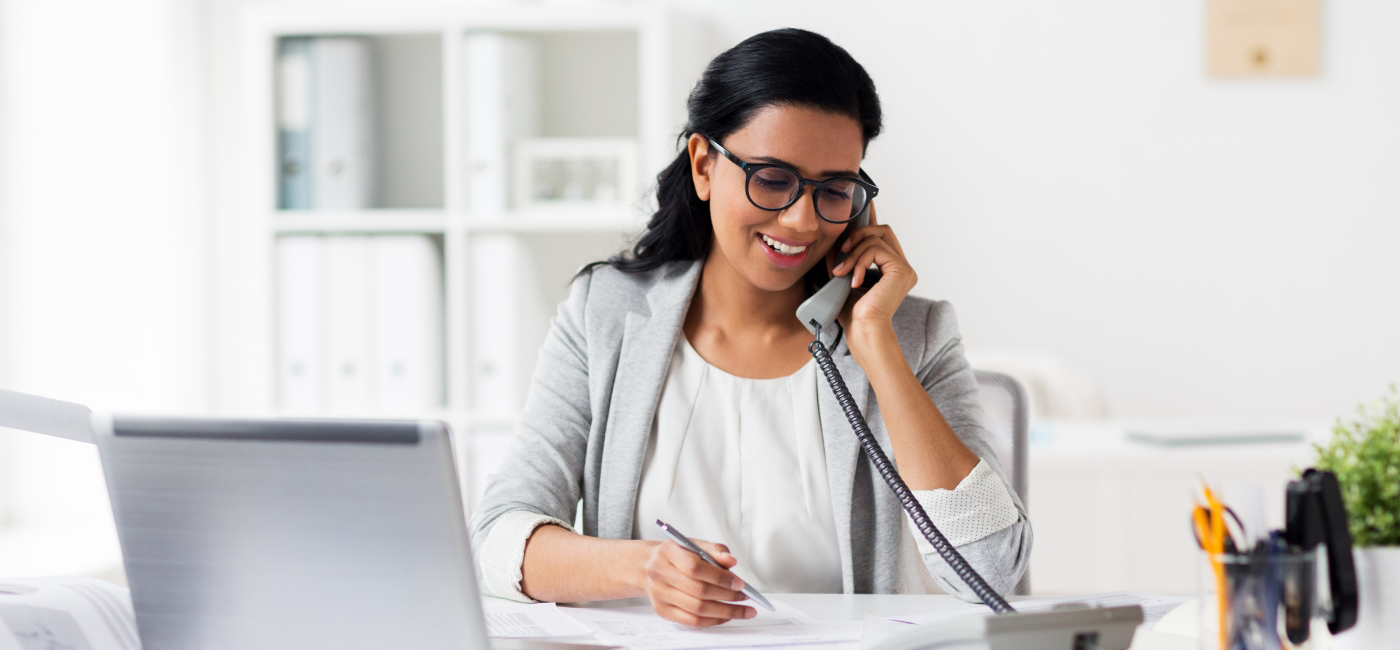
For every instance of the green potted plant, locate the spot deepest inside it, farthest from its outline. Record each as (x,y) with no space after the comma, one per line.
(1365,455)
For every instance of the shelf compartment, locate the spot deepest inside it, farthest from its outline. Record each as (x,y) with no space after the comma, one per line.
(360,121)
(599,220)
(316,222)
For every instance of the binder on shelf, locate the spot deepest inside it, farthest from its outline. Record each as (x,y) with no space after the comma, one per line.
(507,324)
(325,123)
(501,105)
(406,297)
(360,324)
(347,314)
(294,123)
(299,366)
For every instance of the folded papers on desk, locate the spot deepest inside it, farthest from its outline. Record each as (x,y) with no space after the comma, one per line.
(526,620)
(642,627)
(74,613)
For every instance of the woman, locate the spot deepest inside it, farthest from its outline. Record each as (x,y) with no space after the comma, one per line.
(676,384)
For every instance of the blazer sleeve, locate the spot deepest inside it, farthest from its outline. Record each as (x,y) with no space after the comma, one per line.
(1003,556)
(543,472)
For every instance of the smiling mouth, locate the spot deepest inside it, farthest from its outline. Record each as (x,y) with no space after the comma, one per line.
(781,247)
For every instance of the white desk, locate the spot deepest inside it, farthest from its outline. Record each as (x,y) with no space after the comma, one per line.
(854,607)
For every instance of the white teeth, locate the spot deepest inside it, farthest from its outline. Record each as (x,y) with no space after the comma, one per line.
(781,247)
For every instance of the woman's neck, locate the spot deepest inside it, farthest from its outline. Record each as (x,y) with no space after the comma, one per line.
(727,300)
(742,329)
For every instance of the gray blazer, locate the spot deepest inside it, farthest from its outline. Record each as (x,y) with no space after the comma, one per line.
(584,430)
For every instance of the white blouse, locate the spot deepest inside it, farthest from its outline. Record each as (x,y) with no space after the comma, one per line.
(742,462)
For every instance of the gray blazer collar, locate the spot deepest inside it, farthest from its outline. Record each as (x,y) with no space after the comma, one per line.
(643,360)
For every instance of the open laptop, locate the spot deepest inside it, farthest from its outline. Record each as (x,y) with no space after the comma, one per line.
(271,534)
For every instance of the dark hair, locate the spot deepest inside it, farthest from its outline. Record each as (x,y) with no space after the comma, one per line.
(791,67)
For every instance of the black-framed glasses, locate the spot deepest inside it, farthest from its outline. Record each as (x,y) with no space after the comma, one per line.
(775,186)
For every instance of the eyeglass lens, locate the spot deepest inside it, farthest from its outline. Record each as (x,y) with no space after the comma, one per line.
(774,188)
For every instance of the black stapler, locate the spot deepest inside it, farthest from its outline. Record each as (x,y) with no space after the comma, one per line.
(1316,516)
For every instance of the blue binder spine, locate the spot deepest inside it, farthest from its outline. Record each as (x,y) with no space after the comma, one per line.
(294,110)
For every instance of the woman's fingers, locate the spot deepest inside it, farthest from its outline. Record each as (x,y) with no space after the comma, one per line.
(694,587)
(871,250)
(866,232)
(719,552)
(685,618)
(703,608)
(673,613)
(695,568)
(685,588)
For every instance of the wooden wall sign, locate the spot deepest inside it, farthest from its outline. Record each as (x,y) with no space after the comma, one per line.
(1246,38)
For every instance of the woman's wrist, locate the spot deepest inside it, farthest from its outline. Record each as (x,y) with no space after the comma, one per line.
(873,344)
(640,552)
(564,566)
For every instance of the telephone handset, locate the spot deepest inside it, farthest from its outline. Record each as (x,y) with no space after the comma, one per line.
(821,309)
(1107,628)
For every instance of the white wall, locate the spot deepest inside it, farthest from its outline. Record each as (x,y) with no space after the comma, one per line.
(102,242)
(104,170)
(1067,175)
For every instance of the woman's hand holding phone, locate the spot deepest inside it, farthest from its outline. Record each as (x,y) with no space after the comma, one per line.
(686,589)
(870,312)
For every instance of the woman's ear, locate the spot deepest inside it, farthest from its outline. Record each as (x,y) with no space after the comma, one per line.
(700,166)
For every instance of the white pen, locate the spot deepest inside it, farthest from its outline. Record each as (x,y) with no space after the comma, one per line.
(685,543)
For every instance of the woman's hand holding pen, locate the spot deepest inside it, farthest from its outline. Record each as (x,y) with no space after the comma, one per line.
(686,589)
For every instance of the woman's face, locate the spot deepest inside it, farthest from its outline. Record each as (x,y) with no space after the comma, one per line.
(819,145)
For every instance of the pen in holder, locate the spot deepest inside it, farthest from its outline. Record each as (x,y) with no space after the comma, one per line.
(1267,599)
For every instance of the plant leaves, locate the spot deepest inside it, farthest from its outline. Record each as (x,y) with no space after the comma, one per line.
(1364,453)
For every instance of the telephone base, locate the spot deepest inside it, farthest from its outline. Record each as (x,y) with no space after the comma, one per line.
(1087,628)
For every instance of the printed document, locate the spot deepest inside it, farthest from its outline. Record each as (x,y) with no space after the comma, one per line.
(642,627)
(69,613)
(523,620)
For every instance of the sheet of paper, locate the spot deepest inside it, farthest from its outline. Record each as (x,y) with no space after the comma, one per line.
(1154,607)
(72,613)
(524,620)
(637,627)
(875,629)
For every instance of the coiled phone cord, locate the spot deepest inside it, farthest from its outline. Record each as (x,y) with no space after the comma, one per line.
(911,505)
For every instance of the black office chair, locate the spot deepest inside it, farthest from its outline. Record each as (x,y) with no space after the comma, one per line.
(1006,415)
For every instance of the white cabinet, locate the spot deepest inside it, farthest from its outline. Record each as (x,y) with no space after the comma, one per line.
(448,268)
(1112,514)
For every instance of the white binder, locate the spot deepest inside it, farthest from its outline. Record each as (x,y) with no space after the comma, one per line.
(507,324)
(342,121)
(502,105)
(406,333)
(346,326)
(300,364)
(360,325)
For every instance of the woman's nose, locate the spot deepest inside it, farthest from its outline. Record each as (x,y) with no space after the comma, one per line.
(802,215)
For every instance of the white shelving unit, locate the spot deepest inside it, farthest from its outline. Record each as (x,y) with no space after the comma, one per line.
(606,70)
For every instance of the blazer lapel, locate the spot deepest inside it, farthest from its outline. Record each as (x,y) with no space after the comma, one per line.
(842,455)
(643,360)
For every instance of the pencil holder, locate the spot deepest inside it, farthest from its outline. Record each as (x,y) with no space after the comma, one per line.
(1261,601)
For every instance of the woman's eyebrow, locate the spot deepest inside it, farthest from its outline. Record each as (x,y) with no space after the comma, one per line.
(825,174)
